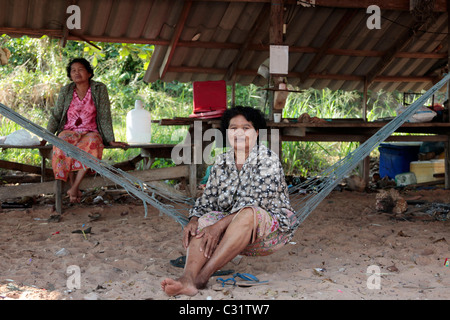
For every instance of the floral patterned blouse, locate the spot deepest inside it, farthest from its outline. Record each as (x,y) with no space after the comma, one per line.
(260,182)
(82,114)
(58,115)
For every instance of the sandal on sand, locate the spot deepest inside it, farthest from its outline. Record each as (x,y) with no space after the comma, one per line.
(247,280)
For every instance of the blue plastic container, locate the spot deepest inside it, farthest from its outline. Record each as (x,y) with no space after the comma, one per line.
(395,158)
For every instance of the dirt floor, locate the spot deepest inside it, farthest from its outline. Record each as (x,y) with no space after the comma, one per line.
(346,249)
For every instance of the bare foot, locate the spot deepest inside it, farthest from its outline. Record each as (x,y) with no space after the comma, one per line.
(74,195)
(175,287)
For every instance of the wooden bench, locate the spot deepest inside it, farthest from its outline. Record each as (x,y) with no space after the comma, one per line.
(148,154)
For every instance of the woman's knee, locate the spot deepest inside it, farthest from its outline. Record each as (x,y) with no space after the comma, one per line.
(71,137)
(246,216)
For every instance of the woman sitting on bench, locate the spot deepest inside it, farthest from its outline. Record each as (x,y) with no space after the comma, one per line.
(81,117)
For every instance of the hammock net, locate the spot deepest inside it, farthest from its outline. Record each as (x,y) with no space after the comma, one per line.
(172,204)
(318,188)
(314,190)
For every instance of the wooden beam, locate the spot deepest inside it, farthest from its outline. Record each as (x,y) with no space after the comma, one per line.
(405,79)
(175,38)
(295,49)
(202,70)
(23,167)
(75,36)
(152,175)
(90,42)
(327,137)
(216,45)
(31,32)
(344,77)
(341,77)
(243,47)
(334,35)
(399,5)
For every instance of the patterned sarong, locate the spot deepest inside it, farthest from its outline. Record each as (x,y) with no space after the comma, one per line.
(91,142)
(266,237)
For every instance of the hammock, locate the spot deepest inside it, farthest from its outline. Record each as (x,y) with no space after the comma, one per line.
(316,189)
(130,183)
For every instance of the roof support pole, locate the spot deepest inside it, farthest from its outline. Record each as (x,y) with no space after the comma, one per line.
(364,115)
(276,31)
(276,38)
(365,165)
(447,143)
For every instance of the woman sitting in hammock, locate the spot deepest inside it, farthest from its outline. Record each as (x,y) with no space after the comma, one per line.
(244,209)
(82,117)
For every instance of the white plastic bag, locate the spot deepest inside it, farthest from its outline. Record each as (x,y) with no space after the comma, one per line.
(423,114)
(21,138)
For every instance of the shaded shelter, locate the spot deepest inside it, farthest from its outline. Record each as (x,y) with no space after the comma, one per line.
(331,43)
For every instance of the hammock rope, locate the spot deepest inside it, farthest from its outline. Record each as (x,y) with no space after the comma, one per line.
(316,189)
(131,184)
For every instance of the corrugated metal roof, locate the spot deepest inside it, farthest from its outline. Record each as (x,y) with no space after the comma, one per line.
(329,46)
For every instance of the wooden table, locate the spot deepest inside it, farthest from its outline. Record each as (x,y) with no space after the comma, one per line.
(360,131)
(336,130)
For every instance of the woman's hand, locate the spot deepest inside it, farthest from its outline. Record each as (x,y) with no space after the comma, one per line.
(118,144)
(210,238)
(190,231)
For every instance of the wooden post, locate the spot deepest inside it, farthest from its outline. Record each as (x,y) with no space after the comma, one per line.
(276,22)
(193,172)
(276,32)
(58,195)
(276,38)
(365,100)
(447,143)
(366,161)
(45,154)
(193,180)
(233,92)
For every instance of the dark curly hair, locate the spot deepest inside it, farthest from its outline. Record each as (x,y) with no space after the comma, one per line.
(84,62)
(252,115)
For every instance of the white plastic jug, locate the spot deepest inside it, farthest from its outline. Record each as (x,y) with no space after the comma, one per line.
(138,124)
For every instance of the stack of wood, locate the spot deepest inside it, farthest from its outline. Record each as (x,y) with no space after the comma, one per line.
(390,201)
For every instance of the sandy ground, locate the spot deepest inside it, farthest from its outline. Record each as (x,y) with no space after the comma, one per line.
(345,249)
